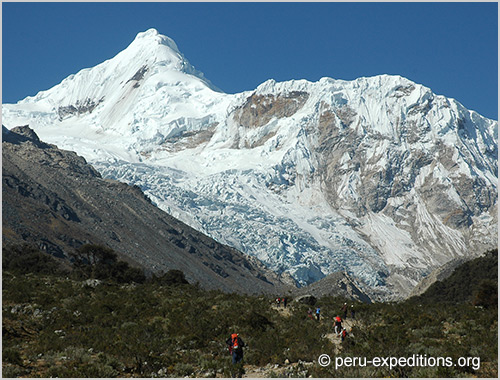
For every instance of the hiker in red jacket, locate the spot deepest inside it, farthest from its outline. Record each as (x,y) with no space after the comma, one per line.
(338,325)
(343,334)
(236,344)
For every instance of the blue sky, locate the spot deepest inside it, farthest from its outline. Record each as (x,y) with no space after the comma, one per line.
(451,48)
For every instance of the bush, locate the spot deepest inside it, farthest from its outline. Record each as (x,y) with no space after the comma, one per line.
(487,294)
(172,277)
(12,355)
(257,321)
(29,259)
(99,262)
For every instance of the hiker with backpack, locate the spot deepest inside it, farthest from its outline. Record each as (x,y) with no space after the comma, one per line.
(235,345)
(343,335)
(338,325)
(310,313)
(344,310)
(318,311)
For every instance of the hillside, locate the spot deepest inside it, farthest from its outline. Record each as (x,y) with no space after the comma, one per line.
(437,274)
(53,199)
(57,326)
(475,281)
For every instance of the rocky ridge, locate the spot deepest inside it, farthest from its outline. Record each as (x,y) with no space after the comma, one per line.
(335,285)
(438,274)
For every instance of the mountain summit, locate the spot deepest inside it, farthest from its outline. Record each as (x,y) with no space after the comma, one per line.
(153,49)
(378,178)
(150,74)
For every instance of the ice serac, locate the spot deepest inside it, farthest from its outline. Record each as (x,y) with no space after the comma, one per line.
(378,178)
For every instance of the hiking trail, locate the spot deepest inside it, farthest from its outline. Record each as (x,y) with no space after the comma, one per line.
(348,324)
(285,311)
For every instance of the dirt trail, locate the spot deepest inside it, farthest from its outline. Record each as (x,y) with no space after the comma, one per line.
(286,311)
(285,369)
(274,370)
(348,324)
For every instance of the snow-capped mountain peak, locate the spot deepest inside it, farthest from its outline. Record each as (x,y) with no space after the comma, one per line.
(151,36)
(377,177)
(151,48)
(147,92)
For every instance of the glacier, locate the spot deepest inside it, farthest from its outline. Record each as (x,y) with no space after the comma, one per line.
(378,177)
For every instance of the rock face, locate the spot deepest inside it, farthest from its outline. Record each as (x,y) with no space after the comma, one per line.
(258,110)
(54,199)
(335,284)
(378,177)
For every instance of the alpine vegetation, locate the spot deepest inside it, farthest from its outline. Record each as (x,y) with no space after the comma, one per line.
(79,322)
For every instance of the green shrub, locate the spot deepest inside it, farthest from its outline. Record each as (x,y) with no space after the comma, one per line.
(29,259)
(256,321)
(12,355)
(487,294)
(12,371)
(100,262)
(172,277)
(182,369)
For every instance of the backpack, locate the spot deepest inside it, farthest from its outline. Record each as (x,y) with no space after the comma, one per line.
(236,343)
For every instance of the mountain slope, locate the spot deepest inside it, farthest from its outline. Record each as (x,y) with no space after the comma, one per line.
(54,199)
(475,281)
(377,177)
(439,274)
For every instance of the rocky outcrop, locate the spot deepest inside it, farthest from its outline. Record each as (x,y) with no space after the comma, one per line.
(335,285)
(52,198)
(306,299)
(79,108)
(258,110)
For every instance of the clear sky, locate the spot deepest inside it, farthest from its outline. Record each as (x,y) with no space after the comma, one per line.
(451,48)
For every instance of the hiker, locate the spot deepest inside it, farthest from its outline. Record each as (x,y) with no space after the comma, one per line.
(318,310)
(338,325)
(285,300)
(343,335)
(344,310)
(278,300)
(235,345)
(310,313)
(353,312)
